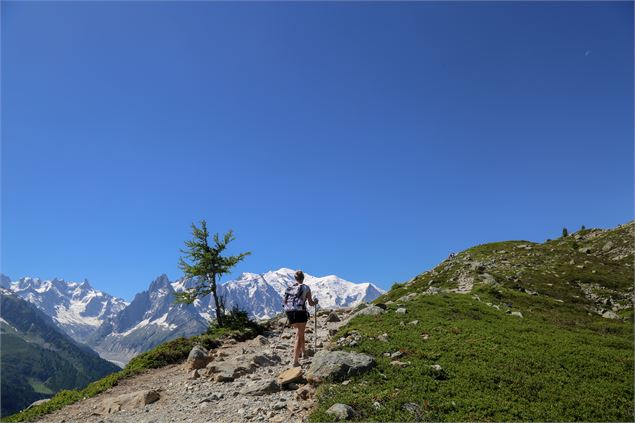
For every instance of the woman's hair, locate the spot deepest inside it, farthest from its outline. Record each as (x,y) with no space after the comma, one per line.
(299,276)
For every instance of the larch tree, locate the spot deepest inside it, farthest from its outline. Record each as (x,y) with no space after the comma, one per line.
(207,264)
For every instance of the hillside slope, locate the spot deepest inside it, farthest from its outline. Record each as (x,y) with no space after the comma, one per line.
(521,331)
(38,359)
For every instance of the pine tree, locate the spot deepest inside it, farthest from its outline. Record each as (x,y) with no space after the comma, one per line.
(208,265)
(565,232)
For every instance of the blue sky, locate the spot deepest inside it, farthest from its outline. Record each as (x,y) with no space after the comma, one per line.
(367,140)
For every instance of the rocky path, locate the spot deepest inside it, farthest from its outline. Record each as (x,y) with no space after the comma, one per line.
(240,384)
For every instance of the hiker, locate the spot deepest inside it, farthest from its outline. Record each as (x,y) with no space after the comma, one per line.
(295,298)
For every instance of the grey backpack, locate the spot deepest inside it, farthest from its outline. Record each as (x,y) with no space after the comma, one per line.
(295,298)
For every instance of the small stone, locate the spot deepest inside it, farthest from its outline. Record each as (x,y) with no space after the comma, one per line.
(377,405)
(341,411)
(425,336)
(400,310)
(383,337)
(411,407)
(438,372)
(414,322)
(398,363)
(517,314)
(346,382)
(332,317)
(279,405)
(396,354)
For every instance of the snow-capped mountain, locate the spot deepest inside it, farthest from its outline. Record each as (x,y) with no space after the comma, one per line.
(118,331)
(76,307)
(153,318)
(150,319)
(261,294)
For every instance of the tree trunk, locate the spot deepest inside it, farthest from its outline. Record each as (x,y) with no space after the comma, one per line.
(219,311)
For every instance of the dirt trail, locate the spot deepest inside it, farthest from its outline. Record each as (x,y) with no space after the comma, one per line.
(202,400)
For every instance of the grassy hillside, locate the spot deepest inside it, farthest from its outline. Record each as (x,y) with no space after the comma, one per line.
(560,361)
(38,359)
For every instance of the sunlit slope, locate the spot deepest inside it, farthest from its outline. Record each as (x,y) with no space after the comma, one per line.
(561,361)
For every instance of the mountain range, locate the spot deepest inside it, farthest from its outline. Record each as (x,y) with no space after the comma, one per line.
(38,359)
(118,330)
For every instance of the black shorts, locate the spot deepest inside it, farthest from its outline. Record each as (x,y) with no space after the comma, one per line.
(297,316)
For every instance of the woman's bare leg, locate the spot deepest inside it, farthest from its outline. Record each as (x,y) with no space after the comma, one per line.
(299,342)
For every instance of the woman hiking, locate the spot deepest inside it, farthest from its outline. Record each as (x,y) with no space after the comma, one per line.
(295,298)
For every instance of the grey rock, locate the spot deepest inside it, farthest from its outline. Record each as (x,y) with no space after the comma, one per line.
(383,337)
(338,365)
(608,246)
(407,298)
(332,317)
(261,387)
(341,411)
(400,310)
(212,397)
(610,315)
(411,407)
(517,314)
(585,250)
(129,401)
(372,310)
(414,323)
(197,358)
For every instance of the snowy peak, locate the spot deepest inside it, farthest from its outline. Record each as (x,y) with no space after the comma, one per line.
(261,294)
(76,307)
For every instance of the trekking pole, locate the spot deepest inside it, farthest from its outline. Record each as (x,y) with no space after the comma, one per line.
(315,327)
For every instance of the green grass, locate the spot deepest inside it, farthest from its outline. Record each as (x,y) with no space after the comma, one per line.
(171,352)
(499,367)
(560,362)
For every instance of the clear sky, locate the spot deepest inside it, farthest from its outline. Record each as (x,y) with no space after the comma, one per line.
(367,140)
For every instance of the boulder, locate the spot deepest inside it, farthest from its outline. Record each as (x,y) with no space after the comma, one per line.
(608,246)
(338,365)
(341,411)
(293,374)
(610,315)
(372,310)
(260,340)
(225,371)
(333,317)
(264,360)
(261,387)
(407,298)
(197,359)
(129,401)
